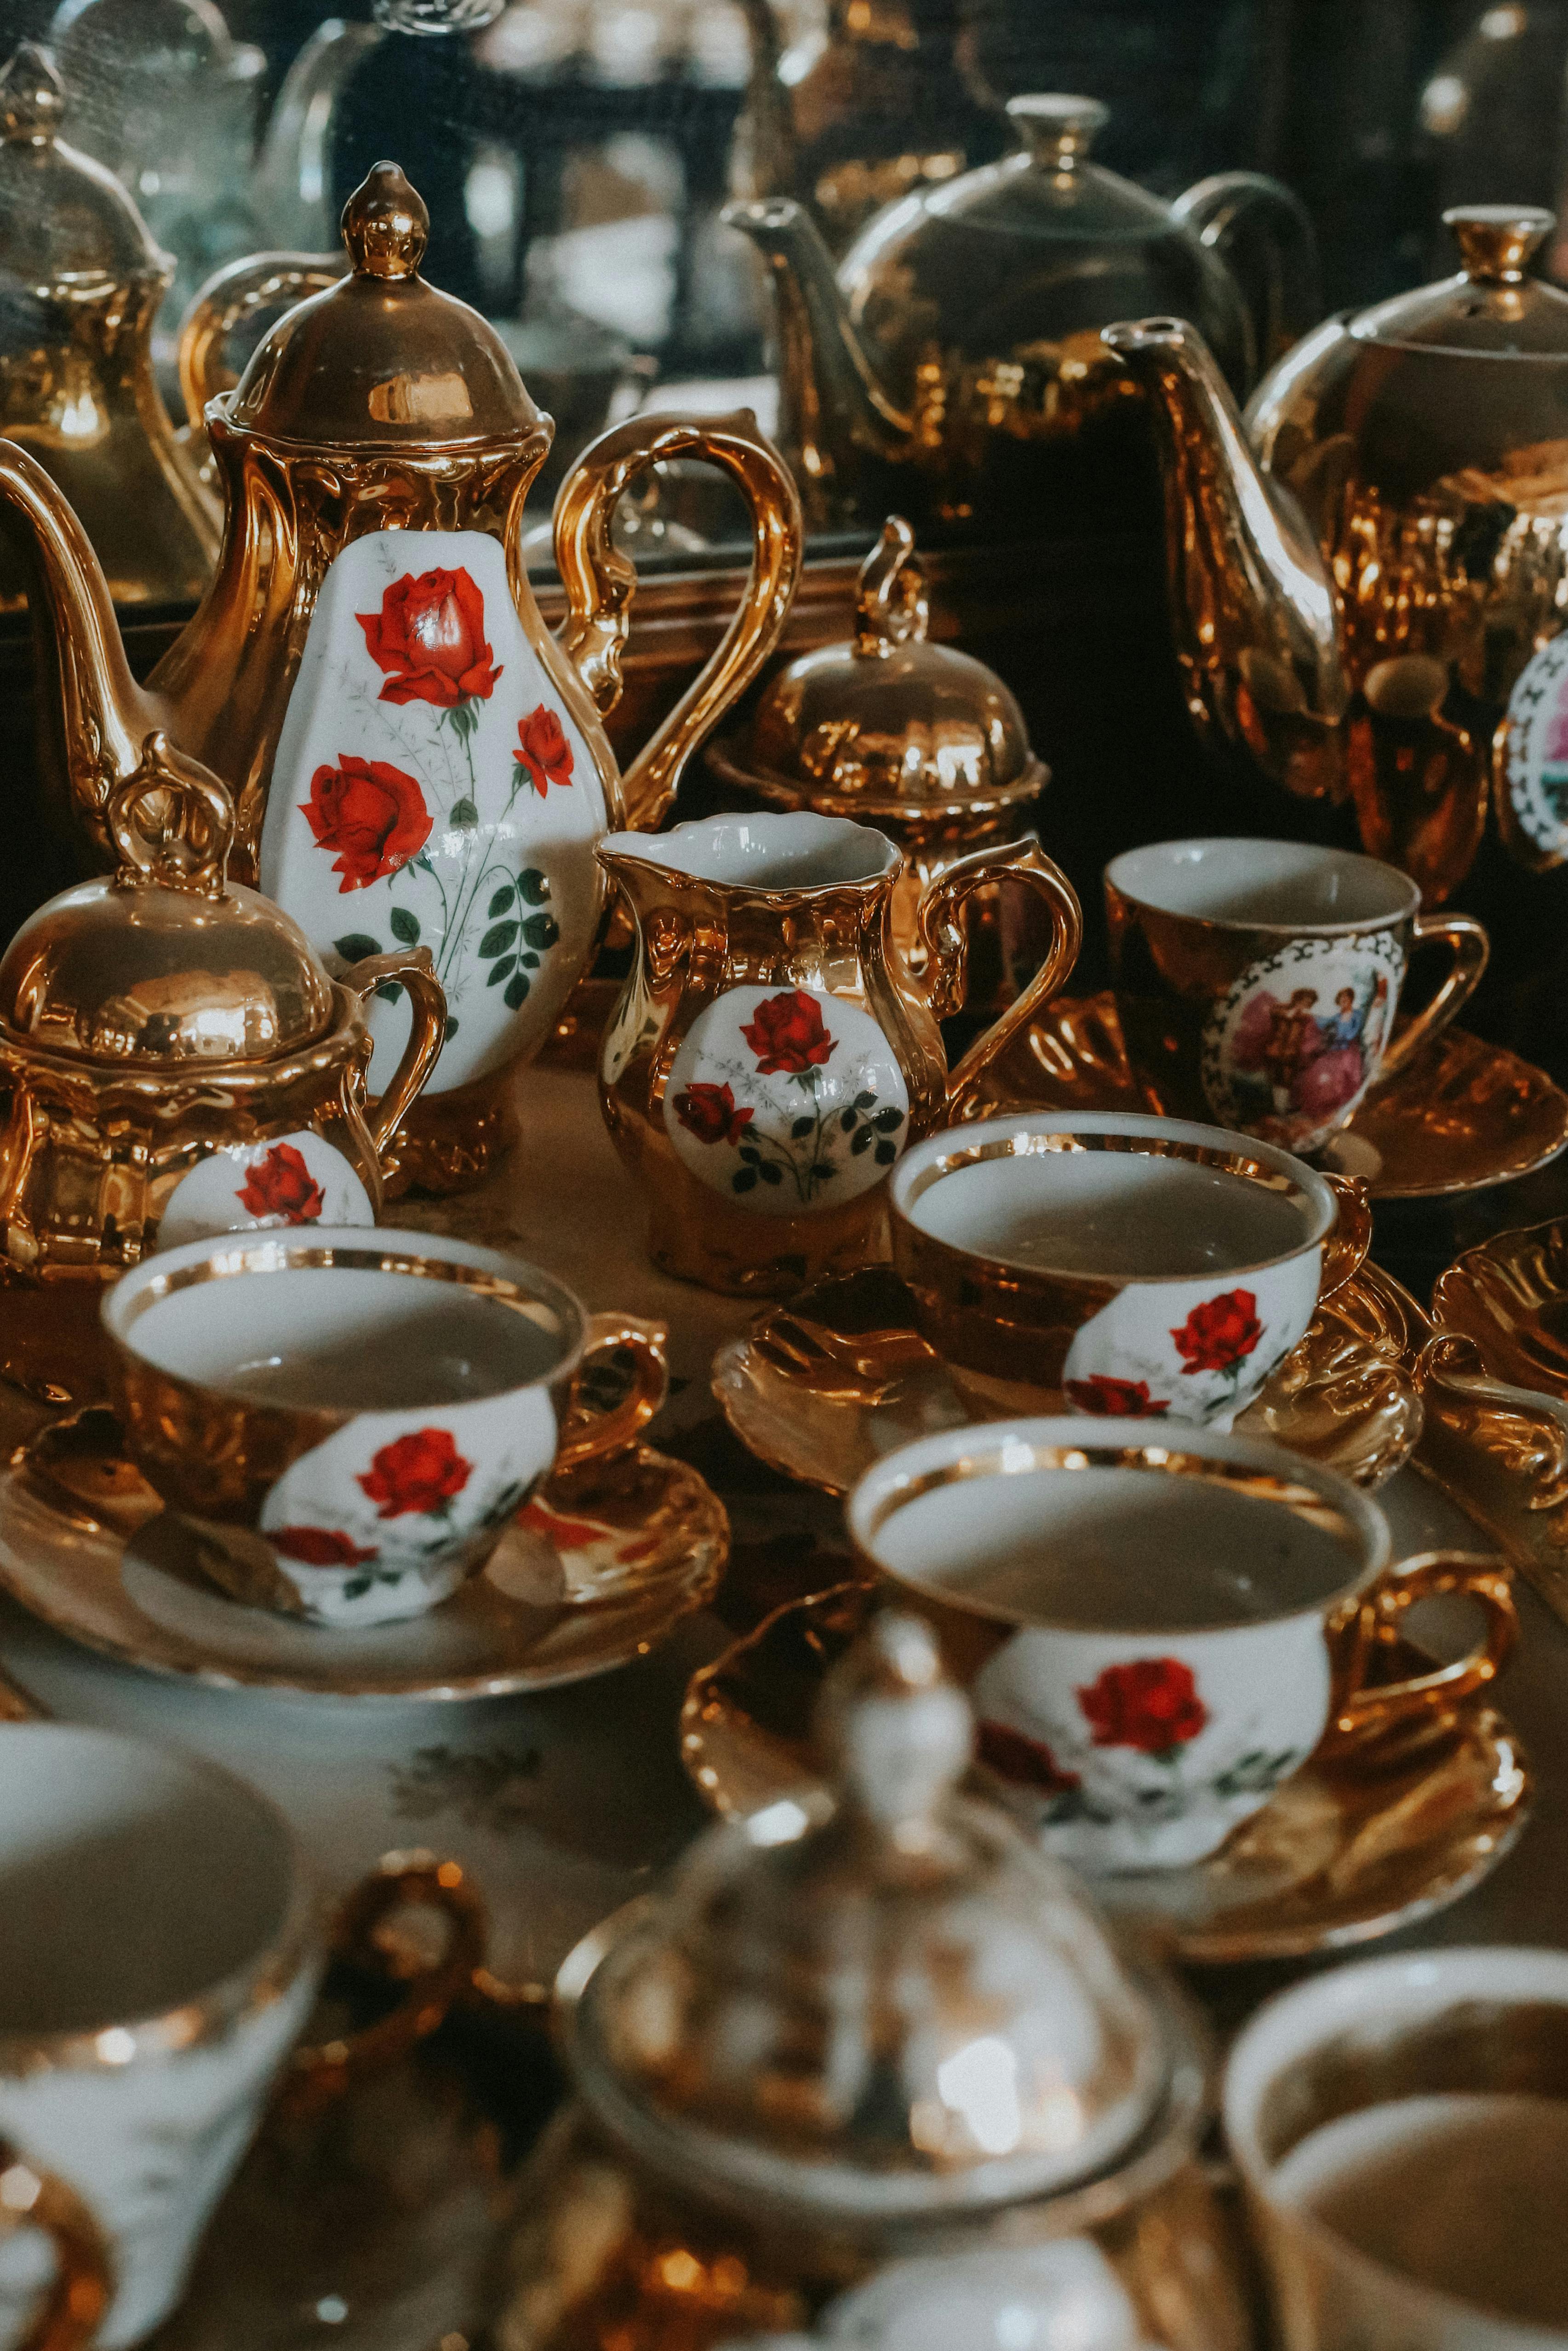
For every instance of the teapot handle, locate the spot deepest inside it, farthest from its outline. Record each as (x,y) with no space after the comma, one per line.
(31,2198)
(1264,234)
(414,968)
(261,281)
(196,860)
(600,582)
(946,944)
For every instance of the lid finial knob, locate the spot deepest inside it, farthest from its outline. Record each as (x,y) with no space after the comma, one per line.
(1059,130)
(385,225)
(895,1732)
(1496,241)
(32,96)
(891,605)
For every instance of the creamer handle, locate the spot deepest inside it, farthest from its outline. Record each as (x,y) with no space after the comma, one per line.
(946,941)
(79,2296)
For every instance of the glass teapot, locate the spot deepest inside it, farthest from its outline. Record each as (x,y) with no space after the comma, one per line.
(413,758)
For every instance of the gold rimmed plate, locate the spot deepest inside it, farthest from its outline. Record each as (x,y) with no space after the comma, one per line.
(1462,1115)
(596,1570)
(1339,1855)
(822,1387)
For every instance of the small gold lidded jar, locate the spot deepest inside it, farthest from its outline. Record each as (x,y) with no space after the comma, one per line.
(178,1061)
(918,739)
(874,2070)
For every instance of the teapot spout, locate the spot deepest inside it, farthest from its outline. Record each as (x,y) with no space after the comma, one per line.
(1252,604)
(93,717)
(836,415)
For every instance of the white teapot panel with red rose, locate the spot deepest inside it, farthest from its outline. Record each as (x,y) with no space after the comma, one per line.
(430,788)
(785,1100)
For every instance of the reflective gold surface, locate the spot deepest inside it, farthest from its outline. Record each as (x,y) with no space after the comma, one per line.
(821,1388)
(1461,1115)
(1360,634)
(78,2293)
(1342,1853)
(81,279)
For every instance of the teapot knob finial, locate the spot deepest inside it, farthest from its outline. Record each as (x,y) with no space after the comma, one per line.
(896,1732)
(385,225)
(1059,130)
(1496,241)
(32,96)
(891,605)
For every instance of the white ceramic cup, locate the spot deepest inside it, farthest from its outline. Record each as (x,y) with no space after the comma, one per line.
(1154,1634)
(1384,2077)
(158,1956)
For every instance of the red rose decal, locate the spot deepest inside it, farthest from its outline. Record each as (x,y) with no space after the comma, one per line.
(1027,1763)
(320,1547)
(1218,1333)
(420,1472)
(543,750)
(1116,1399)
(786,1032)
(709,1113)
(373,815)
(429,637)
(1152,1705)
(282,1185)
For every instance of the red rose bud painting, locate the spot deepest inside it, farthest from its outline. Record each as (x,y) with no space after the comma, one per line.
(544,754)
(370,814)
(421,1471)
(429,638)
(1152,1705)
(281,1184)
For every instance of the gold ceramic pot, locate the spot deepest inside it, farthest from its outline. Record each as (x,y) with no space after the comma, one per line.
(177,1061)
(413,758)
(81,279)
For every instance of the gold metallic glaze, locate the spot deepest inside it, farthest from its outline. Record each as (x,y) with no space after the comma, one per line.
(1345,1851)
(697,938)
(78,2293)
(228,300)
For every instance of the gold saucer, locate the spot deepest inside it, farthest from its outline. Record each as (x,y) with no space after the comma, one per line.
(1339,1855)
(598,1569)
(1461,1115)
(822,1387)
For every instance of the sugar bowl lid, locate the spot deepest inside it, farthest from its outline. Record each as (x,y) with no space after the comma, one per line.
(380,359)
(905,2010)
(163,964)
(65,222)
(886,726)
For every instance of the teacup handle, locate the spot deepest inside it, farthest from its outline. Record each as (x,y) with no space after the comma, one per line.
(1360,1710)
(31,2199)
(1472,947)
(1345,1252)
(414,968)
(320,2072)
(945,940)
(587,1433)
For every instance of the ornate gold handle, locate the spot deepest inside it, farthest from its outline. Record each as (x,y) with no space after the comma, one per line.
(1345,1252)
(195,859)
(414,968)
(1362,1710)
(322,2071)
(1471,949)
(600,582)
(588,1432)
(261,281)
(946,944)
(76,2299)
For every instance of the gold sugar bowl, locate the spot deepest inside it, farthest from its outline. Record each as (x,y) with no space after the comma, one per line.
(916,738)
(872,2070)
(177,1061)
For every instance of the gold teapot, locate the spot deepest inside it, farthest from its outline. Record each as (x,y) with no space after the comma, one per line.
(1368,573)
(413,758)
(176,1062)
(874,2073)
(81,280)
(952,366)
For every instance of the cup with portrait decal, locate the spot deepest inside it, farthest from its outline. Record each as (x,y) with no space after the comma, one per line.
(1257,982)
(348,1420)
(1155,1634)
(1119,1266)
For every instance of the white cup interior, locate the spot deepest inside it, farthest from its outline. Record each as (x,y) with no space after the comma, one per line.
(1264,884)
(770,852)
(132,1879)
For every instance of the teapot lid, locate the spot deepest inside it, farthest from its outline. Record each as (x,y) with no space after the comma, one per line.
(65,221)
(381,360)
(905,2010)
(1048,188)
(886,726)
(1491,306)
(163,964)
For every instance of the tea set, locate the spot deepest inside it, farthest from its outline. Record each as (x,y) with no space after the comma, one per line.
(1080,1320)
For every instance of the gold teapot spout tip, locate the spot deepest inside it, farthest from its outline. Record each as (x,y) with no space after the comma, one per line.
(385,225)
(32,96)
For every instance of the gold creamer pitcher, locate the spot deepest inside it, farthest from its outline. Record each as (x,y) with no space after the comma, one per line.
(414,758)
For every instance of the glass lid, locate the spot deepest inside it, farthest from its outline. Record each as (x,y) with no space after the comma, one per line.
(906,2009)
(65,222)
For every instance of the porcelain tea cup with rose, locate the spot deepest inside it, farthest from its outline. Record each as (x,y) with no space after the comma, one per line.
(1155,1634)
(1115,1265)
(348,1420)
